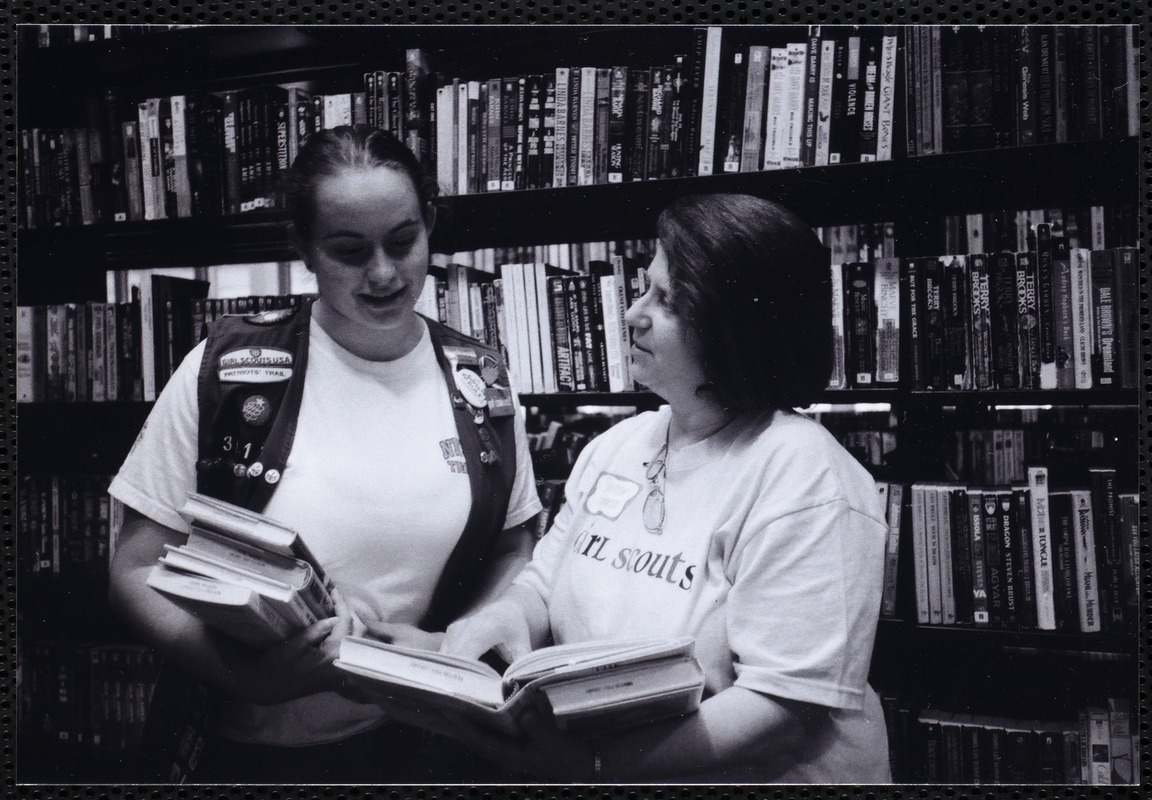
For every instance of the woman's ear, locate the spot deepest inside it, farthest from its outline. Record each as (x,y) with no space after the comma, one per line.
(298,243)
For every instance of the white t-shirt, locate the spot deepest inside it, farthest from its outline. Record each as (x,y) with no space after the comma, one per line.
(771,555)
(375,483)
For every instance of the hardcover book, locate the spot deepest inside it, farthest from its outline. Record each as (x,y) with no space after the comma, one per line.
(587,686)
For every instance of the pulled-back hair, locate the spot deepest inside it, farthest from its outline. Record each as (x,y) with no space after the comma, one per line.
(754,282)
(355,147)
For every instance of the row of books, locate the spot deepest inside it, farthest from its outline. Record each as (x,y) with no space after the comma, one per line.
(994,456)
(1094,227)
(64,526)
(83,700)
(1100,746)
(82,352)
(974,87)
(1051,317)
(831,97)
(1025,556)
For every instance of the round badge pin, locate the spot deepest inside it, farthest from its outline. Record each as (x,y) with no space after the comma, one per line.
(256,410)
(256,469)
(239,470)
(272,476)
(472,387)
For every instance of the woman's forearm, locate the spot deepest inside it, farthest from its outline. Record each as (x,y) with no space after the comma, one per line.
(735,727)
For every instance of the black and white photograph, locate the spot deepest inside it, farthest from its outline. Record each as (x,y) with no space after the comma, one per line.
(780,390)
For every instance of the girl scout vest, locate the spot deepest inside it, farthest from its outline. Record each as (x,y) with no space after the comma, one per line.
(250,387)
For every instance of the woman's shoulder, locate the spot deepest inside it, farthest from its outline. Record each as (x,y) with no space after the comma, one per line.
(800,458)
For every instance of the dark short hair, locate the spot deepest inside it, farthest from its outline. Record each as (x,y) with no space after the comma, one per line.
(356,147)
(754,281)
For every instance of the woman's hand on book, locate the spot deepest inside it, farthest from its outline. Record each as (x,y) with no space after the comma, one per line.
(302,664)
(500,625)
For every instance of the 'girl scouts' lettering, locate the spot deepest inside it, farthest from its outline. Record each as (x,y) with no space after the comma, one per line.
(660,566)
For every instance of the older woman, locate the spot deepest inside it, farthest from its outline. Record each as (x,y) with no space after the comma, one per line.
(724,515)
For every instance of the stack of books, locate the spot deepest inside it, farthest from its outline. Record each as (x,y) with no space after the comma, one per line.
(243,574)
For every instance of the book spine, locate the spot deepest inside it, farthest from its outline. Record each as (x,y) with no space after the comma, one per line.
(886,99)
(793,113)
(894,517)
(1104,345)
(585,172)
(1109,547)
(994,560)
(887,320)
(961,552)
(1082,323)
(548,131)
(933,331)
(811,97)
(1127,310)
(639,105)
(859,324)
(576,326)
(869,100)
(838,378)
(704,146)
(618,148)
(975,529)
(980,321)
(920,553)
(601,116)
(1027,313)
(752,144)
(932,531)
(730,131)
(945,534)
(575,104)
(1024,556)
(532,123)
(1005,352)
(955,305)
(775,108)
(561,132)
(561,334)
(1088,592)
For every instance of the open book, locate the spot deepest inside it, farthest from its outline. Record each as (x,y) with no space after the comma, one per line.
(243,573)
(587,686)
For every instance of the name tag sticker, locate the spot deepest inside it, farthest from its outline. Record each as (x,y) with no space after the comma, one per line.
(610,495)
(255,365)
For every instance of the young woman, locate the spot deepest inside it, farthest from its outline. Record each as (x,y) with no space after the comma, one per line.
(725,516)
(390,443)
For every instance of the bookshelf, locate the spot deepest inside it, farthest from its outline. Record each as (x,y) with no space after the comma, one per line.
(957,668)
